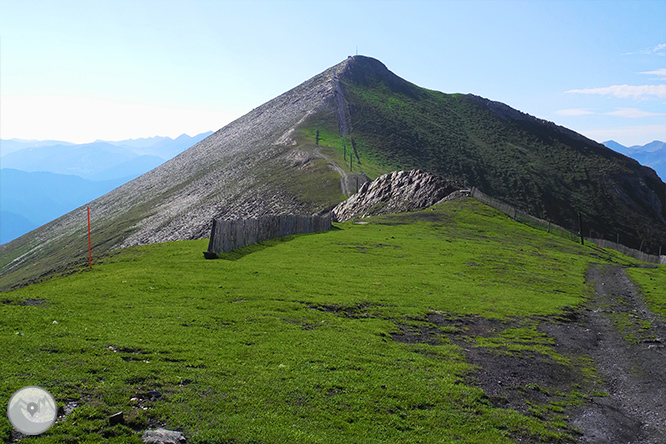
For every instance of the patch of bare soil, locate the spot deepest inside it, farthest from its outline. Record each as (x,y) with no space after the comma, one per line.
(524,381)
(623,400)
(629,357)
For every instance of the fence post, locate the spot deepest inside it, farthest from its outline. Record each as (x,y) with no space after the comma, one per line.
(211,241)
(580,223)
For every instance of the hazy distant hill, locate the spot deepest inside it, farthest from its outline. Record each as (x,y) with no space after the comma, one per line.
(10,145)
(51,178)
(29,200)
(80,160)
(163,147)
(13,225)
(652,154)
(99,160)
(287,156)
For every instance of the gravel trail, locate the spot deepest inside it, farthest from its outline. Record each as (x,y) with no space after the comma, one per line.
(630,359)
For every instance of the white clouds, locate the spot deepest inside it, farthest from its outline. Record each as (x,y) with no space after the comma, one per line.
(633,113)
(657,72)
(574,112)
(660,49)
(636,92)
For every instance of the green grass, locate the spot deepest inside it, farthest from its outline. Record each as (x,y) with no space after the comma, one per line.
(517,340)
(315,184)
(335,147)
(526,163)
(652,282)
(290,340)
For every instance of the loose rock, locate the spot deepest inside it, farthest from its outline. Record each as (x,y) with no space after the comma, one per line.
(116,418)
(163,436)
(396,192)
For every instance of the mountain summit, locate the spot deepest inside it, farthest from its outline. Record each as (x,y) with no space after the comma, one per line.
(309,148)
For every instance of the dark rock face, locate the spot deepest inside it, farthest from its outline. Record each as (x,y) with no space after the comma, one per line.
(396,192)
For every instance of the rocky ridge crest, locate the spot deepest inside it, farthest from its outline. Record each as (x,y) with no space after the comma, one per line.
(396,192)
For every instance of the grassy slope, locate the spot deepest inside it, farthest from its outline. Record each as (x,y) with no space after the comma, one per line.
(339,149)
(530,165)
(652,282)
(290,341)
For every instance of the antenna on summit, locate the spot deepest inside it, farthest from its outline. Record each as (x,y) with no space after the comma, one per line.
(356,49)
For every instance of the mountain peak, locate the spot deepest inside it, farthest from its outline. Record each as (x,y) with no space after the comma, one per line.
(367,71)
(304,150)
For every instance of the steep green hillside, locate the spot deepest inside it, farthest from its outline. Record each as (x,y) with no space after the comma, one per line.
(270,162)
(549,171)
(355,335)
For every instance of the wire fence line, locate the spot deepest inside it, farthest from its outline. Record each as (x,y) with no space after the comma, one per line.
(535,222)
(229,235)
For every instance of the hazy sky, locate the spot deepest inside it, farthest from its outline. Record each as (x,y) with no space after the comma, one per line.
(86,70)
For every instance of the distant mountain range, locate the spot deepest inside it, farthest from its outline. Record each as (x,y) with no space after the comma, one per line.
(99,160)
(653,154)
(42,180)
(29,200)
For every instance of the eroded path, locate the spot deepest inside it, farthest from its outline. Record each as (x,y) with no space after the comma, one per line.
(625,340)
(608,384)
(349,182)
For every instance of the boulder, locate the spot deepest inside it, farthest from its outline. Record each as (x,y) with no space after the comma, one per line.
(162,436)
(396,192)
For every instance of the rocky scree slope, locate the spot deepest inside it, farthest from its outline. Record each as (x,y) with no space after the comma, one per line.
(396,192)
(225,176)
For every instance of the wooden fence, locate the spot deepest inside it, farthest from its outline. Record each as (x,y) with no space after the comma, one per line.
(550,227)
(229,235)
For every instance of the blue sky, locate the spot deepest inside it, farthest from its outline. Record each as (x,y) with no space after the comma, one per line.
(86,70)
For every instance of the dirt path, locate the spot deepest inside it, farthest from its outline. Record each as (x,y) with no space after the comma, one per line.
(344,186)
(622,401)
(347,185)
(625,341)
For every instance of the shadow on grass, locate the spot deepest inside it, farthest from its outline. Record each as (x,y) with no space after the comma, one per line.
(249,249)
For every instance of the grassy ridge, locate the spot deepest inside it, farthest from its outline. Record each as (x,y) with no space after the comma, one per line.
(292,340)
(531,164)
